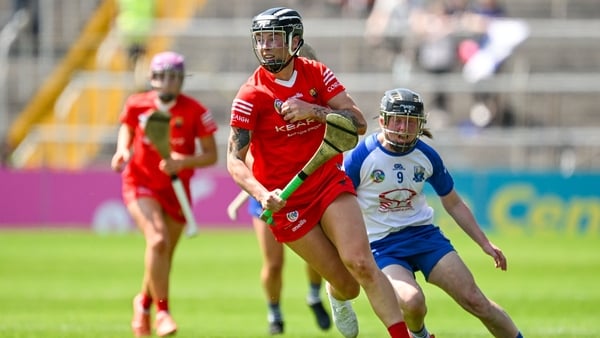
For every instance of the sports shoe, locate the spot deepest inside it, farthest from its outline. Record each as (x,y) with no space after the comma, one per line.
(321,315)
(344,317)
(276,327)
(165,325)
(140,324)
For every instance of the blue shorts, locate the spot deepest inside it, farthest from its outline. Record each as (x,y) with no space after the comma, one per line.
(254,207)
(415,248)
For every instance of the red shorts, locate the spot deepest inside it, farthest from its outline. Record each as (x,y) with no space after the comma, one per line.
(165,197)
(294,221)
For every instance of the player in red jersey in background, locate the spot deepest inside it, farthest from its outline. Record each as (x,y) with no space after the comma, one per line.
(278,115)
(147,189)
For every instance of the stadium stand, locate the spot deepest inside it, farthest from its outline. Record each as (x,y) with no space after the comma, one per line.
(551,82)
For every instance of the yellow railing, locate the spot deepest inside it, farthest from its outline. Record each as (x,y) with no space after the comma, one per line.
(61,106)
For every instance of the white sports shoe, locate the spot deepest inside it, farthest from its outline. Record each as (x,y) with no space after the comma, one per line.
(344,317)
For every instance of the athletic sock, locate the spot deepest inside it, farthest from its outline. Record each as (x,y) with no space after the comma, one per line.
(421,333)
(146,301)
(314,294)
(275,314)
(519,335)
(162,305)
(398,330)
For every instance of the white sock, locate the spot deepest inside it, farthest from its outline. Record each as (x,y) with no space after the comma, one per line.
(313,296)
(274,314)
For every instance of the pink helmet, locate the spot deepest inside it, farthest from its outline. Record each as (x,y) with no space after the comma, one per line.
(167,61)
(165,68)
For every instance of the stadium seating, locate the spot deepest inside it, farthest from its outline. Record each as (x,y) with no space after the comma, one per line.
(551,78)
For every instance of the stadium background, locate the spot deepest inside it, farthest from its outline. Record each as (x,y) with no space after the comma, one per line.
(64,87)
(534,186)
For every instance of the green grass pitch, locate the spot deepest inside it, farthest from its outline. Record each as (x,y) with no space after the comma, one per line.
(70,284)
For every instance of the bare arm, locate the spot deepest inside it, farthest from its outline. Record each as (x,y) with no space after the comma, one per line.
(294,110)
(237,153)
(208,156)
(123,151)
(463,216)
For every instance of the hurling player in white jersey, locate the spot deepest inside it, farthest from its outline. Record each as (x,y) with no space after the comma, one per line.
(389,170)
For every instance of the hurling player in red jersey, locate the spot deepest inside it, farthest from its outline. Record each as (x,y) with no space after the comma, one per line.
(147,189)
(271,273)
(278,115)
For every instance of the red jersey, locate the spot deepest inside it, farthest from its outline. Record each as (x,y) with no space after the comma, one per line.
(189,120)
(281,148)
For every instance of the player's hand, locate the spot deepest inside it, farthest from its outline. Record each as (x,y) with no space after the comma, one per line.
(496,253)
(119,159)
(170,166)
(272,201)
(294,110)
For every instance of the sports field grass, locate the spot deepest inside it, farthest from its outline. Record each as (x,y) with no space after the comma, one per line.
(68,284)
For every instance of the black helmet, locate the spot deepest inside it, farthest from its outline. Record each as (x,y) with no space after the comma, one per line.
(402,106)
(278,20)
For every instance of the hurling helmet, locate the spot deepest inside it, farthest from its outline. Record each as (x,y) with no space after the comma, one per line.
(166,67)
(402,117)
(277,20)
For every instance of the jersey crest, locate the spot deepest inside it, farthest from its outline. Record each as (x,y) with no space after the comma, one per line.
(419,174)
(377,176)
(277,105)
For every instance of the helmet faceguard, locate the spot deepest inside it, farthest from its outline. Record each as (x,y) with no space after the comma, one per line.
(273,33)
(166,75)
(402,118)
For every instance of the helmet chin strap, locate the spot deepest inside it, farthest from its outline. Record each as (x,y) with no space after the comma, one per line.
(300,44)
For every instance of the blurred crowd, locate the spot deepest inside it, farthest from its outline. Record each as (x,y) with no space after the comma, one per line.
(432,37)
(473,37)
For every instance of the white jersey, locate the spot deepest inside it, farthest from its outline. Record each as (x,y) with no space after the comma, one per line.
(390,185)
